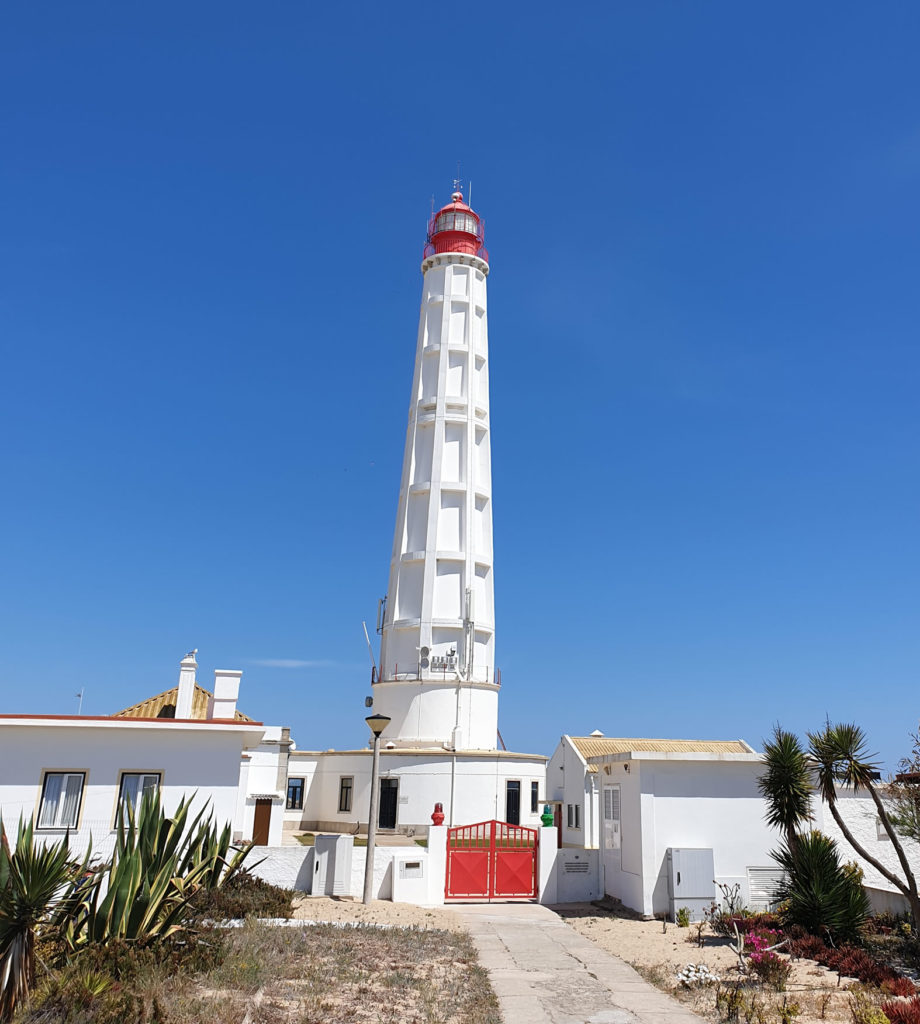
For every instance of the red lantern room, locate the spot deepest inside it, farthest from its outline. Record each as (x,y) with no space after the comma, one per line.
(456,228)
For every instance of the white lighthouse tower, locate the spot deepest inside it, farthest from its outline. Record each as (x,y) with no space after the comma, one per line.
(437,680)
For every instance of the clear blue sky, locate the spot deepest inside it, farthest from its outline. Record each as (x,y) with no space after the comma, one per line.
(704,307)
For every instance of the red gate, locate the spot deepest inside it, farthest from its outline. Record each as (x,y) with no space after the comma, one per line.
(491,860)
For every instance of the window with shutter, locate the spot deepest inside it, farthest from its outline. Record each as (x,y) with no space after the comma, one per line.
(612,817)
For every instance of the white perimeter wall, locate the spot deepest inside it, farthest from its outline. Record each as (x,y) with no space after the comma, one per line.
(859,813)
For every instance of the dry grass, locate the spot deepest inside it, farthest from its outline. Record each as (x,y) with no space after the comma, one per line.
(311,975)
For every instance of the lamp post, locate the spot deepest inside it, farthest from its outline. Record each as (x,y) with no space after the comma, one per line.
(376,723)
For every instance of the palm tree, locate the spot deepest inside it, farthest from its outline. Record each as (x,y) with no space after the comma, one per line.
(839,756)
(786,784)
(37,884)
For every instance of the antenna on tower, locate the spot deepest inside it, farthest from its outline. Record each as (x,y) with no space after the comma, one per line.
(457,181)
(370,650)
(469,193)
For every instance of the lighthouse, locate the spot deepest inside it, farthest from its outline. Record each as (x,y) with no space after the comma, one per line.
(437,680)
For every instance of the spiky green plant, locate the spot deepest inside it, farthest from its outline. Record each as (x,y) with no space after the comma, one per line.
(786,783)
(158,865)
(38,886)
(818,892)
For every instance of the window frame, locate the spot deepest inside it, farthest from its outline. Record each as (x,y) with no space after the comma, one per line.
(124,774)
(288,805)
(346,794)
(534,797)
(42,786)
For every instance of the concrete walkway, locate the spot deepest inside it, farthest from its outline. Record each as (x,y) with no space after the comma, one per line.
(544,972)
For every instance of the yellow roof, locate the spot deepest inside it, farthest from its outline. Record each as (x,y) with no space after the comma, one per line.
(153,706)
(597,746)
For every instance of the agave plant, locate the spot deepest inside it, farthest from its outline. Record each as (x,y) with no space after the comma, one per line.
(38,888)
(158,865)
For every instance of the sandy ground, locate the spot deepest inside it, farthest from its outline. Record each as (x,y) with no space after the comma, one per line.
(402,915)
(658,955)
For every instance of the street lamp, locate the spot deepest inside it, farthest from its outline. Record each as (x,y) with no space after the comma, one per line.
(376,723)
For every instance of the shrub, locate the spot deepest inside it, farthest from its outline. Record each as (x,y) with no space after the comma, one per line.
(683,917)
(852,962)
(902,1011)
(243,895)
(863,1010)
(770,968)
(821,894)
(898,987)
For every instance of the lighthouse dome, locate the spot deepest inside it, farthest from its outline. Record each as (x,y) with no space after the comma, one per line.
(456,227)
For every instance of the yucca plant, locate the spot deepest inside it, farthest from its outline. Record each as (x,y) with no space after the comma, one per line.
(818,892)
(786,784)
(39,886)
(158,865)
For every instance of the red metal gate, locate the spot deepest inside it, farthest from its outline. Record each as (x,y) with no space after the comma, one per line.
(491,860)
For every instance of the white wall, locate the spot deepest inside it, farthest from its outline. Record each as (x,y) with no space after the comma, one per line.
(860,815)
(190,757)
(476,792)
(265,776)
(697,802)
(569,781)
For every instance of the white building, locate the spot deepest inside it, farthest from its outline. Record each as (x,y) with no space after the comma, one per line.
(636,799)
(73,774)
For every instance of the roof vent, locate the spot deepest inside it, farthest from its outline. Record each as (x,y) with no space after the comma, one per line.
(596,732)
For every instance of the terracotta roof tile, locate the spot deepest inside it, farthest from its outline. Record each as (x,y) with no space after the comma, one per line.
(152,707)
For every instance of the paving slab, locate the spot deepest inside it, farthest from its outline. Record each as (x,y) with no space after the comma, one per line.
(544,972)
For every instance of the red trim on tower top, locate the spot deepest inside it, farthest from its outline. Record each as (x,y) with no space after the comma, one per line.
(456,227)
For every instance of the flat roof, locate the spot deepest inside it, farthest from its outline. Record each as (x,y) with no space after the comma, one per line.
(112,721)
(421,751)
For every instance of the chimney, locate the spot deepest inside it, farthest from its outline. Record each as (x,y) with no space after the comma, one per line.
(226,693)
(186,692)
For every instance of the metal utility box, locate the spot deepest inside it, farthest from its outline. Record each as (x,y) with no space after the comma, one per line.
(691,884)
(332,865)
